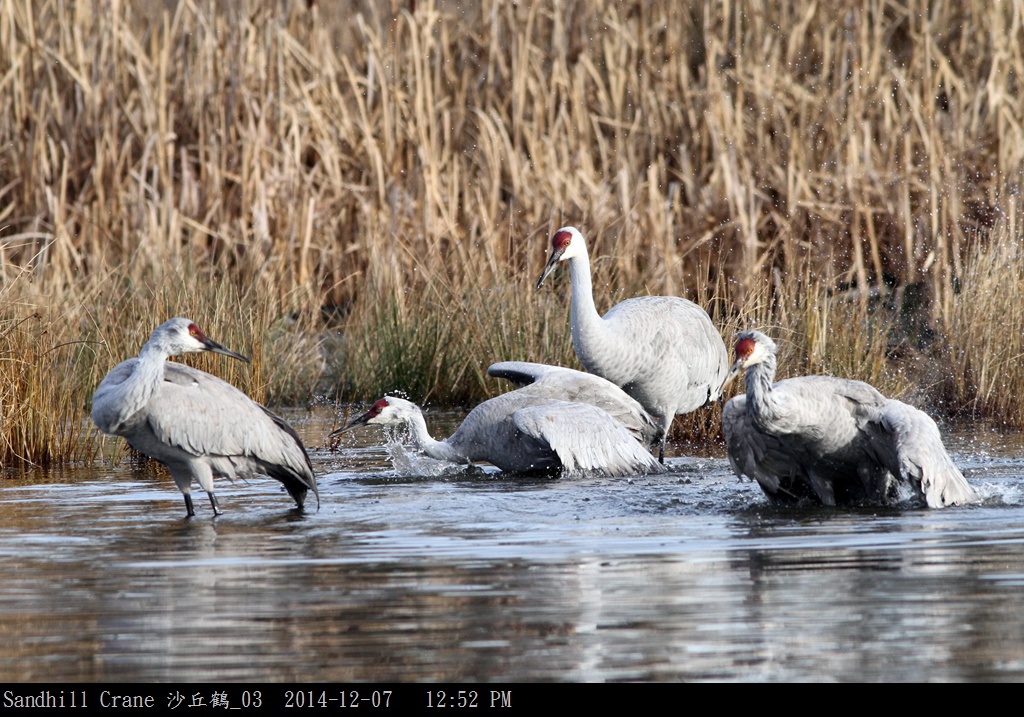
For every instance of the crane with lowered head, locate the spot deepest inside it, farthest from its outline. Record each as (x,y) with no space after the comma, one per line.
(832,440)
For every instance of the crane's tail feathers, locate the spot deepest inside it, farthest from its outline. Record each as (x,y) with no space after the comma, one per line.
(297,486)
(941,483)
(521,373)
(296,470)
(923,460)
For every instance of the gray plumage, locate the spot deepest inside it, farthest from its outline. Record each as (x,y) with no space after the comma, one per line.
(565,384)
(661,350)
(560,420)
(196,424)
(832,440)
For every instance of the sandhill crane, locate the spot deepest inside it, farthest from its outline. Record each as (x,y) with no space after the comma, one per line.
(560,420)
(661,350)
(831,439)
(194,423)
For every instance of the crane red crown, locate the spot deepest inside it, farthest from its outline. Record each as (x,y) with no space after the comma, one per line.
(744,347)
(376,408)
(560,241)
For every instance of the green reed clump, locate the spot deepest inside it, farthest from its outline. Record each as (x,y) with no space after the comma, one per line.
(403,347)
(434,342)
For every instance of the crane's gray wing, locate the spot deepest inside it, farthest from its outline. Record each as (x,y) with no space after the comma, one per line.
(586,439)
(767,459)
(889,436)
(205,416)
(565,384)
(907,442)
(922,460)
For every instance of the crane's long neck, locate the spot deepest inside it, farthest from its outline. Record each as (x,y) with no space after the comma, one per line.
(137,390)
(762,403)
(439,450)
(584,320)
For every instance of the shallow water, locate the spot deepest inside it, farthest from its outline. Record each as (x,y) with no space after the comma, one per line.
(442,577)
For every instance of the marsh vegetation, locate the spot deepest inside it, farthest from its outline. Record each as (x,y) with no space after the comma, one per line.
(359,195)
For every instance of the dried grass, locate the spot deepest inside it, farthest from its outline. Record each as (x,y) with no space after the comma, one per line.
(986,332)
(792,164)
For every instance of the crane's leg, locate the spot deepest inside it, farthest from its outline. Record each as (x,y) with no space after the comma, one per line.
(183,479)
(666,423)
(203,475)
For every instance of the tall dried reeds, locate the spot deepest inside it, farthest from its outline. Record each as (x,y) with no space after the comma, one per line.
(40,421)
(54,350)
(986,332)
(778,162)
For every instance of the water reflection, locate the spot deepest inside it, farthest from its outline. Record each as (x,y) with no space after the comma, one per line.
(484,577)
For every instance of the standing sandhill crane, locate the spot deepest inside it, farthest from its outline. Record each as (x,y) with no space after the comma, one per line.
(831,439)
(560,420)
(194,423)
(661,350)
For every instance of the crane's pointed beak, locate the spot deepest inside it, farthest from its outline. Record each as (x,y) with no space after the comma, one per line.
(352,423)
(211,345)
(735,370)
(556,256)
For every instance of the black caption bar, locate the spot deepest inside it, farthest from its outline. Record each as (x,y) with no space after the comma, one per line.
(384,698)
(203,698)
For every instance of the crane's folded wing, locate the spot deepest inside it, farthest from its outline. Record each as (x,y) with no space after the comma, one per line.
(586,439)
(205,416)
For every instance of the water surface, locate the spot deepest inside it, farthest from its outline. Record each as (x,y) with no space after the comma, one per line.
(418,574)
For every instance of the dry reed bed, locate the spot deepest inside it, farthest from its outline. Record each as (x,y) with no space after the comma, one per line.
(407,170)
(52,358)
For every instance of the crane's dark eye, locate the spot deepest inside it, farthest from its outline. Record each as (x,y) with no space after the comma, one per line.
(560,241)
(376,408)
(744,347)
(194,331)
